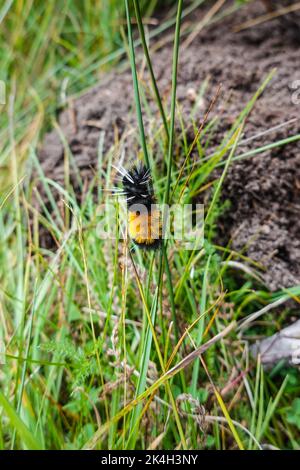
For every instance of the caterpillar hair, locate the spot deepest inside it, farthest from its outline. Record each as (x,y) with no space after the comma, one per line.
(144,218)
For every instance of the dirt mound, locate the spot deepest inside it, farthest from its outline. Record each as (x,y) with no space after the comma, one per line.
(264,190)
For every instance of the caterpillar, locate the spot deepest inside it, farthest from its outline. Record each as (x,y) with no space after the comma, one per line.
(144,217)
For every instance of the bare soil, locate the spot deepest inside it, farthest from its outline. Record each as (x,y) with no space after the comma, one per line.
(264,218)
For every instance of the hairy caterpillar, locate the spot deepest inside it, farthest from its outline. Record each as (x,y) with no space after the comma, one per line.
(144,217)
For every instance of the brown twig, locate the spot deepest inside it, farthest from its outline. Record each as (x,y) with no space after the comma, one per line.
(267,17)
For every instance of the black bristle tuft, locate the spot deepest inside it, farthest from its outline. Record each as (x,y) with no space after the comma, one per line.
(137,185)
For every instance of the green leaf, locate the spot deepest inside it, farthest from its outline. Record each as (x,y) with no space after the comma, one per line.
(293,415)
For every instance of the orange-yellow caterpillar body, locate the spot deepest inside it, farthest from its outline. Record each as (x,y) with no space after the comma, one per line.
(144,227)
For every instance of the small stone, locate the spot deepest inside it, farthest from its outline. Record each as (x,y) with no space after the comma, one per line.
(191,95)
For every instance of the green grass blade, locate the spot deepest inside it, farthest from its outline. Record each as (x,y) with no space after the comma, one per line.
(146,52)
(136,86)
(24,433)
